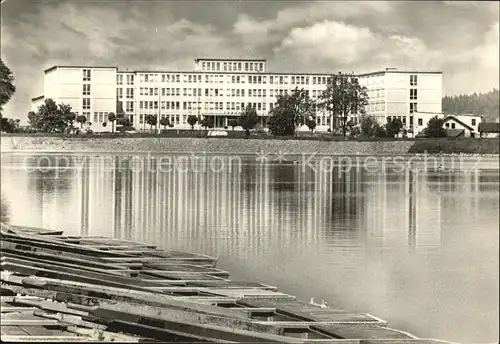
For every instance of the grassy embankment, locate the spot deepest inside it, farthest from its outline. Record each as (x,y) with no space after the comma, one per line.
(456,146)
(184,142)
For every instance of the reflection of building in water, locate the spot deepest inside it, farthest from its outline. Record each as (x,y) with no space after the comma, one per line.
(468,199)
(189,206)
(400,209)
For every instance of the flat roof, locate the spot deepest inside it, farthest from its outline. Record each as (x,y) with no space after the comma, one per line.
(212,72)
(400,72)
(87,67)
(242,72)
(233,59)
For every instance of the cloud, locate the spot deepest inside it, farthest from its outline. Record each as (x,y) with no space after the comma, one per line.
(476,69)
(327,41)
(259,32)
(332,44)
(71,33)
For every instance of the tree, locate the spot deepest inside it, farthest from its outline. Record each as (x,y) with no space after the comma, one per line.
(165,122)
(311,123)
(484,104)
(151,120)
(248,119)
(66,113)
(343,96)
(233,123)
(104,124)
(192,120)
(393,127)
(290,111)
(51,118)
(435,127)
(206,123)
(368,126)
(33,119)
(124,122)
(81,119)
(112,119)
(7,88)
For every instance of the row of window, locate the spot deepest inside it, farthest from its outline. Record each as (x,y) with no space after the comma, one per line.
(209,92)
(130,93)
(119,79)
(221,78)
(174,119)
(176,105)
(100,117)
(375,107)
(376,93)
(232,66)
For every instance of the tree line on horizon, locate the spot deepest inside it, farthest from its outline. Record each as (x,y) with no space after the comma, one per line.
(484,104)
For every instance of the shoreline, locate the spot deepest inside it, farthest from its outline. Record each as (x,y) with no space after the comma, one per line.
(181,146)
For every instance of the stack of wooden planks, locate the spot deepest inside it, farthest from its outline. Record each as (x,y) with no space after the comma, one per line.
(68,288)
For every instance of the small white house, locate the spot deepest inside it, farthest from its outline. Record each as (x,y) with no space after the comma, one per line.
(468,122)
(456,127)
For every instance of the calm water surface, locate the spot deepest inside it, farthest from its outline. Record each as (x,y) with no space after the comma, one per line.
(418,248)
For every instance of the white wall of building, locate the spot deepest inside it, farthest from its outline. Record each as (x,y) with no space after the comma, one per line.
(93,98)
(36,102)
(178,94)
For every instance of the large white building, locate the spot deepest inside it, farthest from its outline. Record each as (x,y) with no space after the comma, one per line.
(221,89)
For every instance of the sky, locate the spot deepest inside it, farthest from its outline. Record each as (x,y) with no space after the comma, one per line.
(461,39)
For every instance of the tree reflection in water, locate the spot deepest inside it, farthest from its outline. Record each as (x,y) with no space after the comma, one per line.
(4,210)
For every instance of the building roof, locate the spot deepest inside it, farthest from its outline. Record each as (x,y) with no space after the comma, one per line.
(489,127)
(397,71)
(228,59)
(454,132)
(220,72)
(447,114)
(37,98)
(89,67)
(452,118)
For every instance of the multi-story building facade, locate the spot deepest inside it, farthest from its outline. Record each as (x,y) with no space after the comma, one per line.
(221,88)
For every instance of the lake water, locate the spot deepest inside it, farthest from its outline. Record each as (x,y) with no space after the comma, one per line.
(417,247)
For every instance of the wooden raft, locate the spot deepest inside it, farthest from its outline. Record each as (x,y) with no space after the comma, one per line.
(91,289)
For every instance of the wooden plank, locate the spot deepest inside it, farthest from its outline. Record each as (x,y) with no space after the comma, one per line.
(57,339)
(17,309)
(228,328)
(46,242)
(166,335)
(23,248)
(156,259)
(36,262)
(77,275)
(32,322)
(250,293)
(57,257)
(357,332)
(52,306)
(182,275)
(129,294)
(40,331)
(11,331)
(70,319)
(306,312)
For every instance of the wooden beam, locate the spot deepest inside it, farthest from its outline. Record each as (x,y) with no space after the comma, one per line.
(21,322)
